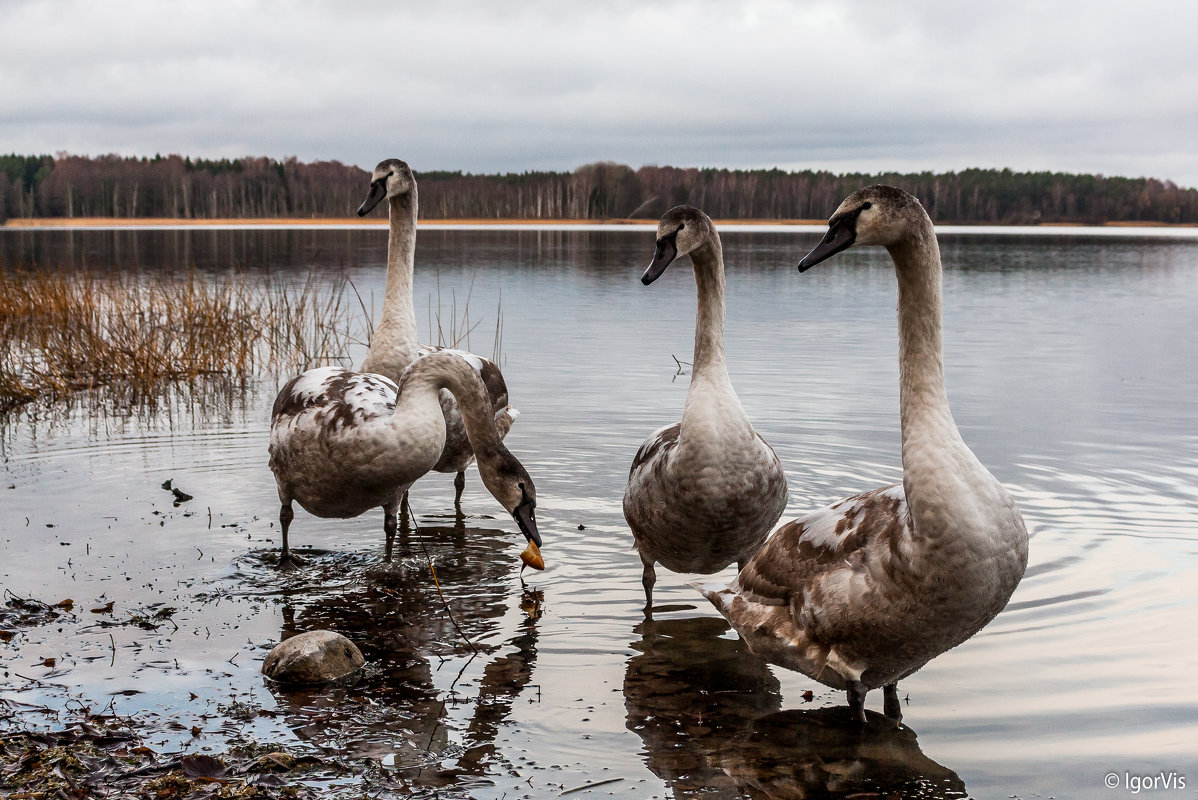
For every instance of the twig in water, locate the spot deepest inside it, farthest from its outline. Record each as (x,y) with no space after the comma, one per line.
(429,558)
(41,683)
(113,643)
(589,786)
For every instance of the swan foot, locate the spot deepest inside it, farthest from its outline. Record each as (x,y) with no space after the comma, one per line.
(459,485)
(892,708)
(857,692)
(289,562)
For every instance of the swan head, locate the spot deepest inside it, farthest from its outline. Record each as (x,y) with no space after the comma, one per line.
(391,178)
(682,230)
(881,215)
(506,479)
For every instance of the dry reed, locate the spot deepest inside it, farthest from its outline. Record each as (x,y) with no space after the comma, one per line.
(63,333)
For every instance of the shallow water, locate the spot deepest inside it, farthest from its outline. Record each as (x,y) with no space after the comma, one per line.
(1070,366)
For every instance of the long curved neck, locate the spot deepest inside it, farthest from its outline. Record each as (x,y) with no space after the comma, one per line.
(438,371)
(394,344)
(709,364)
(922,396)
(934,454)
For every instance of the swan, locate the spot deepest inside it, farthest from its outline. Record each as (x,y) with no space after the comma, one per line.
(705,491)
(862,593)
(344,442)
(394,346)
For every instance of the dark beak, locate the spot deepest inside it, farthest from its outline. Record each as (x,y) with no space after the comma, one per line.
(841,235)
(378,190)
(666,252)
(526,518)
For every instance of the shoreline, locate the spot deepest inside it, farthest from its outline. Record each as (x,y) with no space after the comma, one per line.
(341,222)
(84,223)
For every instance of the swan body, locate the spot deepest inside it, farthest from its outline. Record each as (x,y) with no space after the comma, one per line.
(704,492)
(394,345)
(343,442)
(862,593)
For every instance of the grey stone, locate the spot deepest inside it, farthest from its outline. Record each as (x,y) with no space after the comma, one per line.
(312,658)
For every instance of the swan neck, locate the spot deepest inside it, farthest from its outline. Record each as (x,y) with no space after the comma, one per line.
(394,343)
(438,371)
(922,397)
(708,263)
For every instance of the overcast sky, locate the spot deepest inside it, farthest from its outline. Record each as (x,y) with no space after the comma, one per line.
(1098,86)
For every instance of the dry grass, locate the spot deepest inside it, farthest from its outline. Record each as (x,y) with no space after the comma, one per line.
(63,333)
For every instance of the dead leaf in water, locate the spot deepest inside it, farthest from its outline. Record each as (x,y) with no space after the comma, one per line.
(205,767)
(105,609)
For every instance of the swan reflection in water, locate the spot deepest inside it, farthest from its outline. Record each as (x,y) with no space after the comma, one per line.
(395,714)
(687,693)
(822,752)
(707,712)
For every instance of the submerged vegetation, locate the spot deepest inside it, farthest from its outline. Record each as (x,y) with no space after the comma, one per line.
(62,333)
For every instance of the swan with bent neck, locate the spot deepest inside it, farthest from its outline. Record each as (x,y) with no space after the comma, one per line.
(394,344)
(862,593)
(343,442)
(704,492)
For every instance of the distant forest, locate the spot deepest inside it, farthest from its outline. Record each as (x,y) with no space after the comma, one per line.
(184,188)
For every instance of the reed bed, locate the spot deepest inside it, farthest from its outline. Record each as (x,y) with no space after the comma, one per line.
(63,333)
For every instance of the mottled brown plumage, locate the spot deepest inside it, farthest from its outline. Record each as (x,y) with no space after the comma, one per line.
(704,492)
(343,442)
(394,345)
(864,592)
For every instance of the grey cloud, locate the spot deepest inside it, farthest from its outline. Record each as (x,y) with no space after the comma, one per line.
(1099,86)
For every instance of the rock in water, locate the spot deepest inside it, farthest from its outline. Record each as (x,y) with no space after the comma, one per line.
(311,658)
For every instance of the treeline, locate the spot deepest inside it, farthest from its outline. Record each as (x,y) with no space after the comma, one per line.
(175,187)
(184,188)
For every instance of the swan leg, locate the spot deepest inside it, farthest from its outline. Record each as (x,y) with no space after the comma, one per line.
(287,560)
(857,692)
(648,578)
(390,523)
(892,708)
(459,484)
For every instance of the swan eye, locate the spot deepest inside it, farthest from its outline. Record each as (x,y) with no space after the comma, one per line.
(866,205)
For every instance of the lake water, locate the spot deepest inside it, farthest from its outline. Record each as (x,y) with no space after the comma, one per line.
(1070,362)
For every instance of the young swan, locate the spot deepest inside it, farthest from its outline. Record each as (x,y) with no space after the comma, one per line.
(704,492)
(394,345)
(862,593)
(344,442)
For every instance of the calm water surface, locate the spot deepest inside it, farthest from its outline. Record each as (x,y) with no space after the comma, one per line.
(1070,363)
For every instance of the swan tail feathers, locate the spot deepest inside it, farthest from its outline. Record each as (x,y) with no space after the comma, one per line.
(504,419)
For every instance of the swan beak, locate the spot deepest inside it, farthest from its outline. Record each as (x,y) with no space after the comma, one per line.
(378,190)
(666,252)
(526,520)
(840,236)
